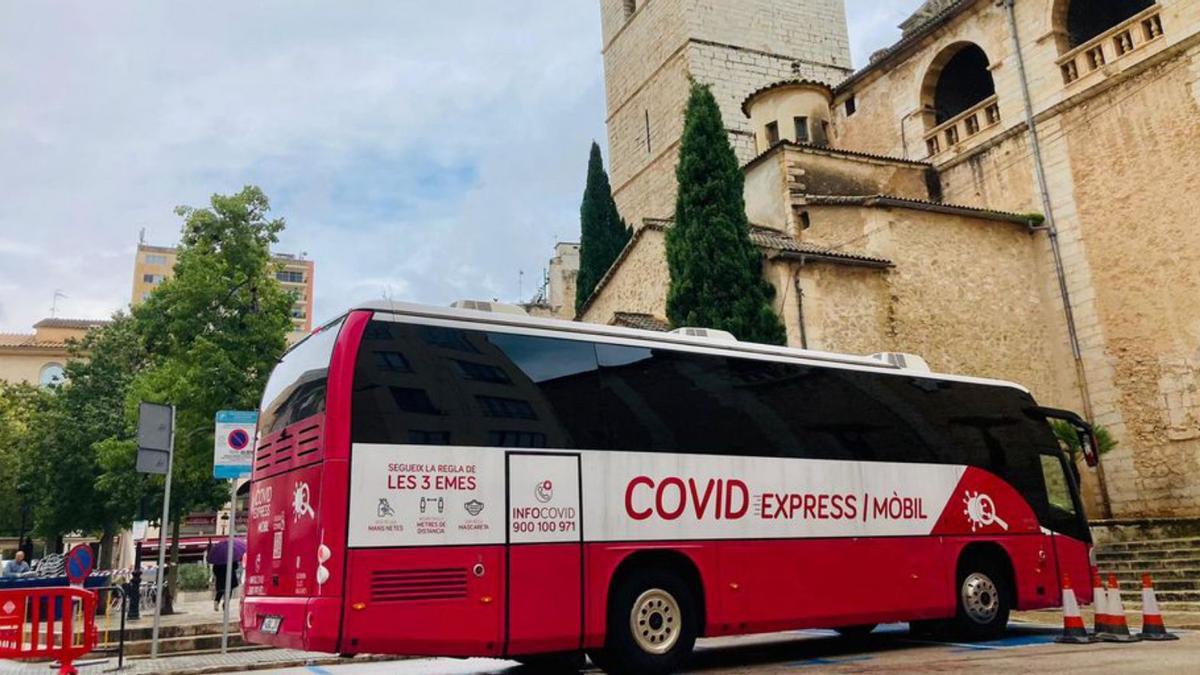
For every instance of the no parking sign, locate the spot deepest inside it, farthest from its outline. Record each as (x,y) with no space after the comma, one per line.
(233,453)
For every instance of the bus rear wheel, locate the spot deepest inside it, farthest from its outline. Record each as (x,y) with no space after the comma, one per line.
(652,623)
(984,600)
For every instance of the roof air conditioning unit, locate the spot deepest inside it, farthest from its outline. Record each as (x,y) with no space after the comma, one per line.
(901,360)
(706,333)
(485,306)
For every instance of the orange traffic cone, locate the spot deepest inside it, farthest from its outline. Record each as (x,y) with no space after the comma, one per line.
(1074,632)
(1152,621)
(1118,628)
(1100,604)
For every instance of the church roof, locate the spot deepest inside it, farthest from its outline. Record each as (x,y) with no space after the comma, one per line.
(787,246)
(781,85)
(642,321)
(881,200)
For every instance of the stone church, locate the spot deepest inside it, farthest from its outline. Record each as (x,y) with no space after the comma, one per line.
(1011,190)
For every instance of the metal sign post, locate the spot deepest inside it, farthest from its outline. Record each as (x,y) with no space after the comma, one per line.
(233,453)
(156,438)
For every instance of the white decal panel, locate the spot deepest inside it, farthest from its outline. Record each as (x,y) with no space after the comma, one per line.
(543,499)
(644,496)
(403,495)
(437,495)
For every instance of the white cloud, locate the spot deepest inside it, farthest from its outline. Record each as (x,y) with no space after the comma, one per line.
(429,150)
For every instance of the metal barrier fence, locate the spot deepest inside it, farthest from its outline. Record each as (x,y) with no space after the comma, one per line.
(55,623)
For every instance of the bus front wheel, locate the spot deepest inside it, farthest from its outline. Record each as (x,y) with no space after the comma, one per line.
(984,600)
(652,623)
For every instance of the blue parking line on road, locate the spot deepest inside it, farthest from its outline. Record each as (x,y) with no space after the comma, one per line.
(832,661)
(318,670)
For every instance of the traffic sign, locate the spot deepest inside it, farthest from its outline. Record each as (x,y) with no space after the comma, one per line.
(79,563)
(154,437)
(233,451)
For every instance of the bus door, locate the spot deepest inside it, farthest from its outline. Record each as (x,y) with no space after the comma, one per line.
(545,553)
(1065,519)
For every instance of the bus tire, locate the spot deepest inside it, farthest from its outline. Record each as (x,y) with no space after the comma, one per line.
(856,632)
(652,623)
(984,599)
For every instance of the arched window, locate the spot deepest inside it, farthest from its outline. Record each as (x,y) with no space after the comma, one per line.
(958,80)
(1085,19)
(52,374)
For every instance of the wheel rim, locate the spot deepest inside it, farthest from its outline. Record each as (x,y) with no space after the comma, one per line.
(655,621)
(980,598)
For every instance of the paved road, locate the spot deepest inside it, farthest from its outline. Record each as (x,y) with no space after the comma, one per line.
(1026,649)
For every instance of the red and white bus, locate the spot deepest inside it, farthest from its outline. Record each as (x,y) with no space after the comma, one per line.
(466,483)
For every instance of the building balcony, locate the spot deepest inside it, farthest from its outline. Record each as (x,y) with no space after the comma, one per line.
(1112,51)
(964,130)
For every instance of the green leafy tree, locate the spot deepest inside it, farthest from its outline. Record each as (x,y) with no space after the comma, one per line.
(88,409)
(1069,438)
(603,234)
(716,271)
(21,405)
(212,334)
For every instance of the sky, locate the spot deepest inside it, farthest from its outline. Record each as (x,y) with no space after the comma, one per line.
(419,151)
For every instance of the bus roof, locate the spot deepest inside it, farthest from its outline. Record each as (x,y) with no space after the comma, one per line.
(675,339)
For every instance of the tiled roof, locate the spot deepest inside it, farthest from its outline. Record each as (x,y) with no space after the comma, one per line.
(642,321)
(15,339)
(829,150)
(28,341)
(924,205)
(71,323)
(781,84)
(774,240)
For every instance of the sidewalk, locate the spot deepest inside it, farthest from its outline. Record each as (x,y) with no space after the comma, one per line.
(259,659)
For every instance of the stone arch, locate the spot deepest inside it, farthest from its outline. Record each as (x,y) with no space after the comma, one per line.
(1074,22)
(958,78)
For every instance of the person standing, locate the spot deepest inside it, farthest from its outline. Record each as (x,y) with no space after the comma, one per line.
(216,560)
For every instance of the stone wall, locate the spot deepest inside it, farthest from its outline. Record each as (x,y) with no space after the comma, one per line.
(736,46)
(1134,169)
(638,282)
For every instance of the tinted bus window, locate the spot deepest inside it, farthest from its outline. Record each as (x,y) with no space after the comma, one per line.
(296,389)
(474,388)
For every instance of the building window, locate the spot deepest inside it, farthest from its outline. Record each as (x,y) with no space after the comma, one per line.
(801,129)
(805,220)
(495,406)
(290,276)
(772,133)
(1087,19)
(481,372)
(517,439)
(392,362)
(413,401)
(962,81)
(145,295)
(851,106)
(156,259)
(630,8)
(51,375)
(153,278)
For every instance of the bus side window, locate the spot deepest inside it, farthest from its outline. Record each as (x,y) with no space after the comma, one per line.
(1058,486)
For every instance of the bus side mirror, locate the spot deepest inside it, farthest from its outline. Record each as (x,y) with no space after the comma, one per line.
(1087,442)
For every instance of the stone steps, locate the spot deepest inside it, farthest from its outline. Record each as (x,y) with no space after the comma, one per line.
(1153,544)
(1149,554)
(1174,564)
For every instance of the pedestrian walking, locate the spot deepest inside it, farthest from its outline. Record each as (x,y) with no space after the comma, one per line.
(217,555)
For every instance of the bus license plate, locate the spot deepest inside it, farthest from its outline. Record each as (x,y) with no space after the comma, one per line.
(270,624)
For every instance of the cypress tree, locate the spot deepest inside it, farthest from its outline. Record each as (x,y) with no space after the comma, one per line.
(716,271)
(603,234)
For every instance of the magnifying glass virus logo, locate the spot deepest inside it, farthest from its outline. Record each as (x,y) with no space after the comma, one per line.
(981,511)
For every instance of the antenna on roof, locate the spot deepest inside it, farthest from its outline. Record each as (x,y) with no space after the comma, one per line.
(54,304)
(142,236)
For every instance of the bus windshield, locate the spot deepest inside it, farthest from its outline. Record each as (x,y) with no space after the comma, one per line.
(296,389)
